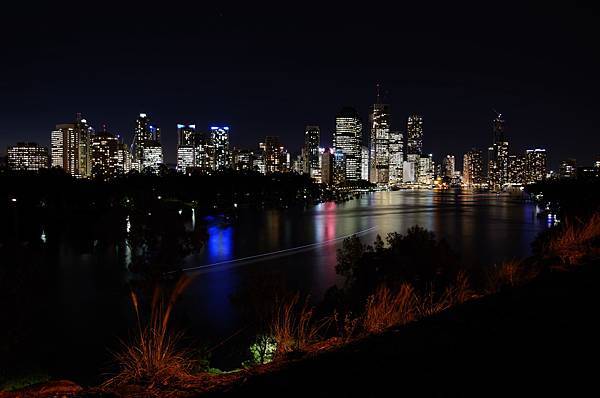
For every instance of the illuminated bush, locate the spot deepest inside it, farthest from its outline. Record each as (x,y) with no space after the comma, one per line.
(262,351)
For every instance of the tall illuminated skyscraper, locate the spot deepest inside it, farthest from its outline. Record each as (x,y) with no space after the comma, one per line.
(473,175)
(71,147)
(220,155)
(379,119)
(106,156)
(146,144)
(448,166)
(498,156)
(312,140)
(537,165)
(396,156)
(274,155)
(414,135)
(191,149)
(347,138)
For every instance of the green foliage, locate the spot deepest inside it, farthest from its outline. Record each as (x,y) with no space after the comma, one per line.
(262,351)
(20,382)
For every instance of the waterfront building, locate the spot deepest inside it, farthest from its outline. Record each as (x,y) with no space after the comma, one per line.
(27,156)
(537,165)
(327,166)
(567,168)
(409,172)
(152,157)
(473,175)
(274,155)
(396,149)
(347,139)
(311,157)
(71,147)
(219,153)
(379,119)
(364,163)
(340,163)
(414,135)
(426,170)
(105,155)
(517,169)
(448,166)
(243,159)
(498,156)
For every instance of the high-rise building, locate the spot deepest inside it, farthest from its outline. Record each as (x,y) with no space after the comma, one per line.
(567,168)
(220,154)
(410,168)
(414,135)
(243,159)
(191,149)
(146,141)
(27,156)
(517,169)
(274,155)
(327,166)
(348,140)
(71,147)
(498,156)
(105,155)
(448,166)
(426,170)
(537,165)
(364,163)
(379,119)
(311,156)
(339,167)
(473,175)
(152,157)
(396,156)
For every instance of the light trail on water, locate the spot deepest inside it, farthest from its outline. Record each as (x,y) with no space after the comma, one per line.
(277,253)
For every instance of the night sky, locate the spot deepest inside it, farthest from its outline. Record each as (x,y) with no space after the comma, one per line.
(272,69)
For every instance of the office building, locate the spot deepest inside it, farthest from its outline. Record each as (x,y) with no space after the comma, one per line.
(347,139)
(27,156)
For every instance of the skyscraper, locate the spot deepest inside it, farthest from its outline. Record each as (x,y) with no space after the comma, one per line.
(448,166)
(327,166)
(364,163)
(347,139)
(473,168)
(498,156)
(396,156)
(414,135)
(537,164)
(517,169)
(379,119)
(274,155)
(71,149)
(220,155)
(312,140)
(108,161)
(146,141)
(190,148)
(27,156)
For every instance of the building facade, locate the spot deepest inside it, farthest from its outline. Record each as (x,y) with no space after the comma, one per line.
(379,120)
(27,156)
(347,139)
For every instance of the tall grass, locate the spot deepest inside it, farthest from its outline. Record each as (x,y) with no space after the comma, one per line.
(575,240)
(153,358)
(385,308)
(293,326)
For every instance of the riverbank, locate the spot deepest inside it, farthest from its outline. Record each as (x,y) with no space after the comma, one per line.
(537,339)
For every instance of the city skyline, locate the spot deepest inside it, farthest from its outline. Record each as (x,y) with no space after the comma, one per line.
(461,66)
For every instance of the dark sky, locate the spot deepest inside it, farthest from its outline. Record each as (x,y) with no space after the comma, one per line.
(271,69)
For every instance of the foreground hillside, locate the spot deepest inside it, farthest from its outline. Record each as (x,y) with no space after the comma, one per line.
(538,339)
(542,338)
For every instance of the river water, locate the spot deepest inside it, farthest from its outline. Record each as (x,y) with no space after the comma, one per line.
(92,310)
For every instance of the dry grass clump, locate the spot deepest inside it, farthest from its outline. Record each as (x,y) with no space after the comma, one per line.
(152,358)
(510,274)
(385,309)
(575,240)
(293,326)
